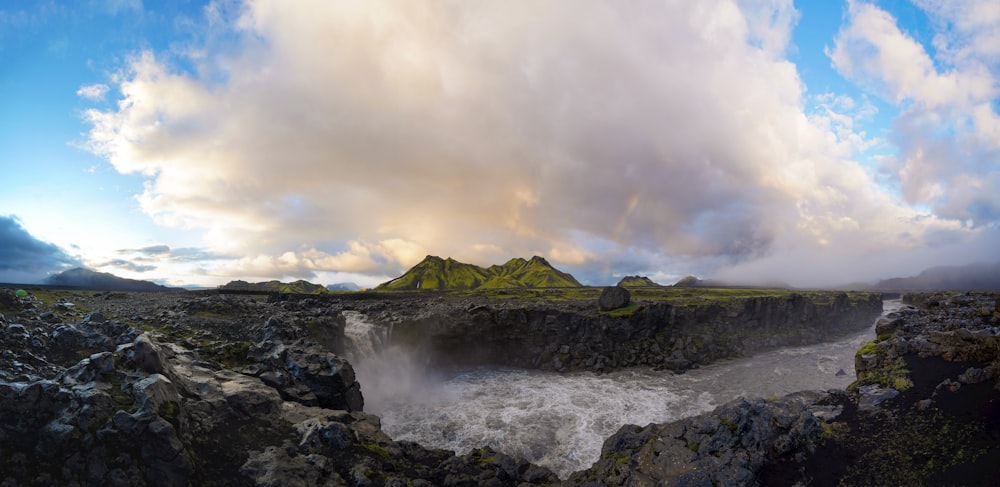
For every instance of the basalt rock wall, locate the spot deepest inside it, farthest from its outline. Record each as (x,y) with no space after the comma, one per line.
(663,335)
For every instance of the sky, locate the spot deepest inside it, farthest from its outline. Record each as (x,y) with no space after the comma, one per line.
(813,143)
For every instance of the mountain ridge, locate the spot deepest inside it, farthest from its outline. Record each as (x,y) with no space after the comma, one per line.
(435,273)
(102,281)
(978,276)
(295,287)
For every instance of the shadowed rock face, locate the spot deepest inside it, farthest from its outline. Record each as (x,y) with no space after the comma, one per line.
(136,411)
(655,334)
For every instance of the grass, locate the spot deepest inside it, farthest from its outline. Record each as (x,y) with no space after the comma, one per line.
(437,274)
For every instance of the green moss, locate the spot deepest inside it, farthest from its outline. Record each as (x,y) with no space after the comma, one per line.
(894,375)
(435,273)
(624,312)
(870,348)
(728,424)
(170,411)
(694,447)
(376,449)
(122,399)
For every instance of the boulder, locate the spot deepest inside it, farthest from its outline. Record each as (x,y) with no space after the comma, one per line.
(613,297)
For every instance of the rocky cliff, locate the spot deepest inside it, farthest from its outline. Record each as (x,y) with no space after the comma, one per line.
(87,400)
(193,389)
(671,335)
(925,410)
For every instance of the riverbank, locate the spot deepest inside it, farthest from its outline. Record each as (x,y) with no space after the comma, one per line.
(235,390)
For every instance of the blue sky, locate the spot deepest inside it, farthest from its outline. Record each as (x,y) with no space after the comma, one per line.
(194,142)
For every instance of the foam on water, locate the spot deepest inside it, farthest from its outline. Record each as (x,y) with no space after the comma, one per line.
(561,420)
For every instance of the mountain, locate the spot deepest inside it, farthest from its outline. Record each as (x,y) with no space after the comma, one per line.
(294,287)
(692,281)
(101,281)
(969,277)
(449,274)
(343,287)
(637,281)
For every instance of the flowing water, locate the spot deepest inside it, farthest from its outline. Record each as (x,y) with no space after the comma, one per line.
(561,420)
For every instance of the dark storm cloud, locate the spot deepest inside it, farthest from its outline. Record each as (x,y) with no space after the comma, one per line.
(22,254)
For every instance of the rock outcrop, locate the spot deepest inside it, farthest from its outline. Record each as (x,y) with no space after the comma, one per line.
(924,411)
(613,297)
(728,446)
(133,410)
(654,334)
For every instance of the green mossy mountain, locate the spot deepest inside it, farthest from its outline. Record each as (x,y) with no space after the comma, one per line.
(294,287)
(435,273)
(637,281)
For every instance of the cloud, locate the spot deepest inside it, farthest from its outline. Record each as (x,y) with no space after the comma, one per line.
(948,134)
(641,133)
(93,92)
(24,258)
(128,266)
(152,250)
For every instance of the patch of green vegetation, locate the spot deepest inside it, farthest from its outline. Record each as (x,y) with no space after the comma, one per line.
(375,449)
(894,375)
(480,456)
(833,430)
(294,287)
(623,312)
(694,447)
(170,411)
(870,348)
(122,399)
(731,426)
(637,281)
(435,273)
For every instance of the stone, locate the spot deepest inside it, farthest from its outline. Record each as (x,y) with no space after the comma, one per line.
(872,395)
(974,375)
(613,297)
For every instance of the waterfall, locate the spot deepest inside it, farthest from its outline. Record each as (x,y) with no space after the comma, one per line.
(364,338)
(561,420)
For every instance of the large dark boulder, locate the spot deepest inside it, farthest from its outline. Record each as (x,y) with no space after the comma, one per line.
(613,297)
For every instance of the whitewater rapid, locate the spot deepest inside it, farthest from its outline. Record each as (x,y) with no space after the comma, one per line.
(561,420)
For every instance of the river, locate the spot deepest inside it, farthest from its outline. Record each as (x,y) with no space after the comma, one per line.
(561,420)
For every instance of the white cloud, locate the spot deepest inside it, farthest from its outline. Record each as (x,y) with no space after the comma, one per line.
(947,133)
(586,131)
(93,92)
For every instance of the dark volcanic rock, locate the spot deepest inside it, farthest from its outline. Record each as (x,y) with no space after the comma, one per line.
(658,334)
(728,446)
(140,411)
(613,297)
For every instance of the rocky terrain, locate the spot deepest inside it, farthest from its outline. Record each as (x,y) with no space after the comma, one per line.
(199,389)
(925,410)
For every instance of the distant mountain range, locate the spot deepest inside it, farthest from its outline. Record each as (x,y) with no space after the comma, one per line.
(343,287)
(449,274)
(968,277)
(102,281)
(294,287)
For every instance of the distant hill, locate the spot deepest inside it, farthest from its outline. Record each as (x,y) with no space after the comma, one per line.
(102,281)
(637,281)
(294,287)
(449,274)
(692,281)
(343,287)
(968,277)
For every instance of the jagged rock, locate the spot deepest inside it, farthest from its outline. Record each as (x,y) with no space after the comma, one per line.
(613,297)
(975,375)
(308,374)
(728,446)
(872,396)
